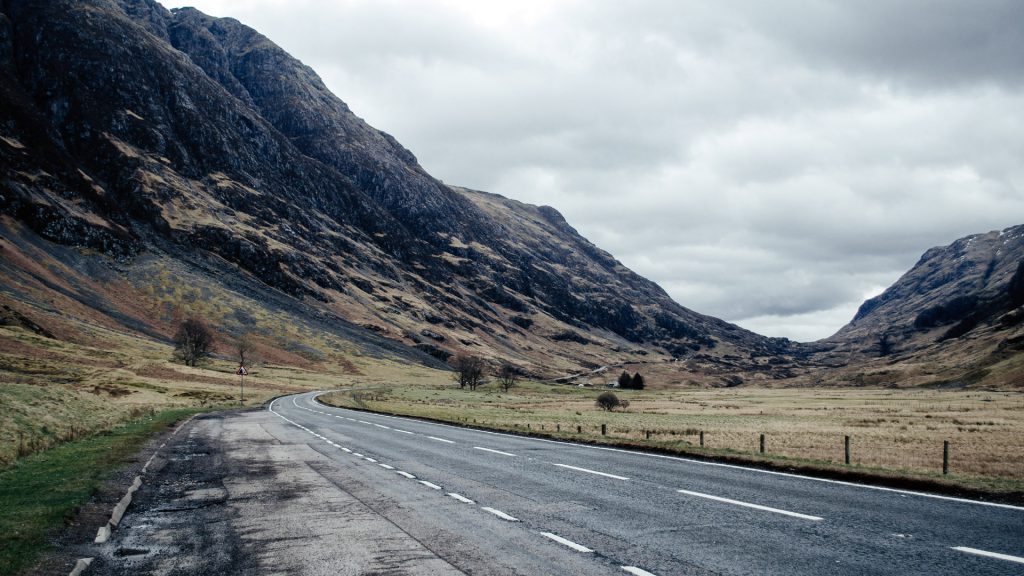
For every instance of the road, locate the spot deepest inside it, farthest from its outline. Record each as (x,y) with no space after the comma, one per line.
(402,496)
(662,515)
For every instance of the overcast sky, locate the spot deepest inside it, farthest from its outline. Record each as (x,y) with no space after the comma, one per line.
(769,163)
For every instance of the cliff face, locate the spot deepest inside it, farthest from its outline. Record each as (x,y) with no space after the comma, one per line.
(130,129)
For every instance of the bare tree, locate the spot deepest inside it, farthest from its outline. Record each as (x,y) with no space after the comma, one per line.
(244,349)
(507,376)
(469,371)
(193,341)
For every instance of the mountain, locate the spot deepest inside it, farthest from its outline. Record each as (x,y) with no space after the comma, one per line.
(141,147)
(956,317)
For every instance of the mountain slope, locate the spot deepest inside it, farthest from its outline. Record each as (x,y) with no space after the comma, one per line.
(137,131)
(955,317)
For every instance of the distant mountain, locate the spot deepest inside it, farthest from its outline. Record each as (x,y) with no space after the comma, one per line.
(138,133)
(957,315)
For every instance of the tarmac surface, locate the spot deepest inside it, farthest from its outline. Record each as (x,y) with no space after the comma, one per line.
(301,488)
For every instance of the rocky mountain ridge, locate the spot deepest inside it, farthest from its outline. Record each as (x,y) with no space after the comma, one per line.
(129,129)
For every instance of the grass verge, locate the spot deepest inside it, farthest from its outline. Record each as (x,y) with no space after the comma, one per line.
(41,492)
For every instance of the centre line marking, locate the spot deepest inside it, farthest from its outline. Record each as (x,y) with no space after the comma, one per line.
(370,460)
(357,454)
(345,449)
(588,471)
(500,514)
(430,485)
(383,426)
(440,439)
(749,505)
(988,554)
(461,498)
(403,431)
(386,467)
(365,422)
(406,474)
(564,542)
(491,450)
(636,571)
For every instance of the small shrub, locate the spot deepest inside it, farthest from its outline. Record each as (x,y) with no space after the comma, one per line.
(607,401)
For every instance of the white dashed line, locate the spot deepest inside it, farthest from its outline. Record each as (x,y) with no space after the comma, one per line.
(988,554)
(564,542)
(345,449)
(637,571)
(406,474)
(441,439)
(383,426)
(370,460)
(500,514)
(588,471)
(430,485)
(403,431)
(365,422)
(386,467)
(461,498)
(357,454)
(749,505)
(492,450)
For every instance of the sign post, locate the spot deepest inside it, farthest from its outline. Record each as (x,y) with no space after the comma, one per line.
(242,372)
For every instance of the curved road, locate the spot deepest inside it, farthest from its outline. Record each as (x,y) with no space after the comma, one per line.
(493,503)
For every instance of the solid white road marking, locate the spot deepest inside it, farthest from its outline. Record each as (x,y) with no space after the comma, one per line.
(564,542)
(500,514)
(461,498)
(988,554)
(430,485)
(492,450)
(440,439)
(637,571)
(588,471)
(386,467)
(406,474)
(749,505)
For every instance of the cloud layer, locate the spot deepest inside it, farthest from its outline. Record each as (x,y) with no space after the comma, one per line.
(769,163)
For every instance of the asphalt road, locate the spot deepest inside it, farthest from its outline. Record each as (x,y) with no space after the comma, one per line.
(489,503)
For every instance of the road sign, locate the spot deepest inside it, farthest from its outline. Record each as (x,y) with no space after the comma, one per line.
(242,371)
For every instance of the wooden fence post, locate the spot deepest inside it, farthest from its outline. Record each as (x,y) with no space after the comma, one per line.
(648,434)
(603,429)
(579,429)
(701,438)
(945,457)
(762,443)
(846,449)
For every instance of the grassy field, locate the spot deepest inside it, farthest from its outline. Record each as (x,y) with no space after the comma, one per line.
(893,432)
(41,491)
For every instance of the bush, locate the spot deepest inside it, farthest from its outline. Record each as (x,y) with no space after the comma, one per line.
(607,401)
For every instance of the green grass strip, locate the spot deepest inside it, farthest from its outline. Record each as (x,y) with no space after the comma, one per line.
(41,492)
